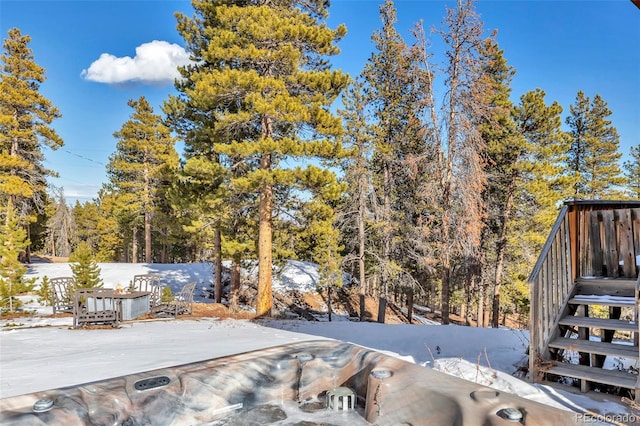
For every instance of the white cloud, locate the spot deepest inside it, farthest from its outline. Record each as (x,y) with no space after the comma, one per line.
(155,62)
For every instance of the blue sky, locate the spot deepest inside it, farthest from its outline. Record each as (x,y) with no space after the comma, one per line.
(559,46)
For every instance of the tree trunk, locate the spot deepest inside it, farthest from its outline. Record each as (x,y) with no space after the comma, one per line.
(468,298)
(382,307)
(217,243)
(265,297)
(27,250)
(329,300)
(386,242)
(410,305)
(480,304)
(234,287)
(501,246)
(148,255)
(445,292)
(134,245)
(163,252)
(146,205)
(361,247)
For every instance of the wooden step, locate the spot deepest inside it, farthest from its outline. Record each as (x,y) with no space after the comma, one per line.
(599,323)
(598,348)
(593,374)
(625,287)
(603,300)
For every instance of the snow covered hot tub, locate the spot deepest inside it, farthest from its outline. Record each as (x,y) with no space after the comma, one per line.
(309,383)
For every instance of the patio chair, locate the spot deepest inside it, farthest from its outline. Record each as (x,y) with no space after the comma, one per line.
(62,291)
(150,283)
(181,304)
(95,306)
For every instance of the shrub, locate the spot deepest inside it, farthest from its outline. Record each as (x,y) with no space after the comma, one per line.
(85,270)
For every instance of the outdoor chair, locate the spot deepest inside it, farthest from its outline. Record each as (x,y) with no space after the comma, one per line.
(62,291)
(95,306)
(181,304)
(151,284)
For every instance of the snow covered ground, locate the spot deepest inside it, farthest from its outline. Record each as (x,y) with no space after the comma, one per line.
(42,352)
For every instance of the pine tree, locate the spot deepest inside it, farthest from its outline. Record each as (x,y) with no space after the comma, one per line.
(353,211)
(544,182)
(44,292)
(632,169)
(25,118)
(140,169)
(505,152)
(593,155)
(86,217)
(13,240)
(395,89)
(262,88)
(101,225)
(86,271)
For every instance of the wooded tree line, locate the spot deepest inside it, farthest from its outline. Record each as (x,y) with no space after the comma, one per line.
(445,199)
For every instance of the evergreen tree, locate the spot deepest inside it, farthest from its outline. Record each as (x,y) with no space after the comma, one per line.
(395,89)
(545,184)
(25,118)
(110,228)
(505,152)
(354,209)
(261,86)
(632,169)
(593,155)
(86,218)
(44,292)
(140,169)
(86,271)
(13,240)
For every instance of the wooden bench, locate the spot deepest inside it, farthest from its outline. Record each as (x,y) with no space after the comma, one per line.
(95,306)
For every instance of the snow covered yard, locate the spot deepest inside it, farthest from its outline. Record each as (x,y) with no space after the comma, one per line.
(43,352)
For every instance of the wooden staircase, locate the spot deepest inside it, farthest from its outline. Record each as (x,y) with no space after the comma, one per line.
(585,298)
(616,335)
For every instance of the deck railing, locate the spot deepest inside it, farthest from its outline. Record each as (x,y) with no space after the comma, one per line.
(590,238)
(551,282)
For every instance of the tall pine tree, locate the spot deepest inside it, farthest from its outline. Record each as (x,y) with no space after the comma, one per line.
(593,155)
(505,151)
(545,183)
(395,89)
(354,208)
(141,169)
(25,127)
(262,82)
